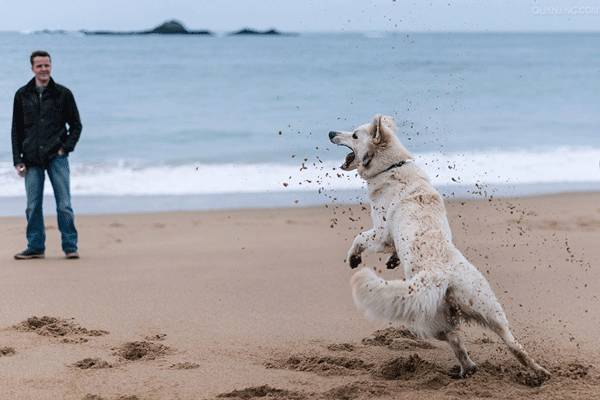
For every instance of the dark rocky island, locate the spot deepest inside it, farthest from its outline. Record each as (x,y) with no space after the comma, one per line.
(269,32)
(172,27)
(51,32)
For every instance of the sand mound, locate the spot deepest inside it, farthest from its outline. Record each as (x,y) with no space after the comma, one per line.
(134,351)
(92,363)
(341,347)
(58,328)
(405,368)
(355,390)
(409,344)
(264,391)
(396,339)
(323,365)
(185,365)
(384,337)
(7,351)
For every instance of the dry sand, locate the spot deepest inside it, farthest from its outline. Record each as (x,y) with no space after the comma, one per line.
(256,305)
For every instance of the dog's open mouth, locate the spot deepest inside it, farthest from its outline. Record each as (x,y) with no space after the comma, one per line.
(347,165)
(348,161)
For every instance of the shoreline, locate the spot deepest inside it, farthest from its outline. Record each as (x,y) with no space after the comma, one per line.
(126,204)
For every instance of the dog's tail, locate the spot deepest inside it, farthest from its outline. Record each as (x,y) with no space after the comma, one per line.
(415,301)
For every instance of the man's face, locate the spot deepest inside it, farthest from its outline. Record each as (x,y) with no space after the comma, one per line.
(42,67)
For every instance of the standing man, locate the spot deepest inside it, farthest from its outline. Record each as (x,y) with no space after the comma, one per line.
(42,142)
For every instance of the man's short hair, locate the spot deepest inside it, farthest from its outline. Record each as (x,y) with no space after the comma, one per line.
(39,53)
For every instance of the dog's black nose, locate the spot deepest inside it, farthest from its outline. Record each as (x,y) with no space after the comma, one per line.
(332,134)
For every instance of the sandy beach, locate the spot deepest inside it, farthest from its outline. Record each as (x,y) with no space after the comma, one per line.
(256,304)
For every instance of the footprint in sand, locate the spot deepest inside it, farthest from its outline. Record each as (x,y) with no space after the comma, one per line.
(156,337)
(184,365)
(92,363)
(7,351)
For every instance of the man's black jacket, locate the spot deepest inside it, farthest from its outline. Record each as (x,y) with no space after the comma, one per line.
(39,123)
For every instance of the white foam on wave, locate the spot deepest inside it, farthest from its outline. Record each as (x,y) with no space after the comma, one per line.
(562,165)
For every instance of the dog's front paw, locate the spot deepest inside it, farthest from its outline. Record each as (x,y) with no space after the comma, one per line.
(354,260)
(393,261)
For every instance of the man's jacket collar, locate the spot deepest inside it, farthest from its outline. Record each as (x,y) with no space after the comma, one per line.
(31,85)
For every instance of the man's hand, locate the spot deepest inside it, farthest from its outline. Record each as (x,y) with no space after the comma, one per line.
(61,152)
(21,170)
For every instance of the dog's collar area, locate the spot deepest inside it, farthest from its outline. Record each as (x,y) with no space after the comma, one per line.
(397,165)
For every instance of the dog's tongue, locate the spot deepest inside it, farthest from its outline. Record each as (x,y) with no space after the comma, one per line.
(349,158)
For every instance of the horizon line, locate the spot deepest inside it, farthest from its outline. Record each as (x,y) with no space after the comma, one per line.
(27,31)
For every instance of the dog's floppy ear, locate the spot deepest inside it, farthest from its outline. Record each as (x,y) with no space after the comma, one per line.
(382,125)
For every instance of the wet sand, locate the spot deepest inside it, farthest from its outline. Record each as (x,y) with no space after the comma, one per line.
(256,304)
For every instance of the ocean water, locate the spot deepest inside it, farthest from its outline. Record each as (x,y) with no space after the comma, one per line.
(211,122)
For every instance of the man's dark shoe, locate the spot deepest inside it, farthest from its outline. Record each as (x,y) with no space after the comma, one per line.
(73,255)
(29,254)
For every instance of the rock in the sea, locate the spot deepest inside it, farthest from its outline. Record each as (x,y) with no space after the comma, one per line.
(166,28)
(172,26)
(248,31)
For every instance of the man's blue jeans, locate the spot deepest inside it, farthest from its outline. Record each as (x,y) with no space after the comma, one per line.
(58,171)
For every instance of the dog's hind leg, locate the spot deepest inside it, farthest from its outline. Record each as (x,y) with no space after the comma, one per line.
(467,366)
(500,327)
(477,302)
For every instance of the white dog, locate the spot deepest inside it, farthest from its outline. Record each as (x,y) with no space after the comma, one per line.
(441,288)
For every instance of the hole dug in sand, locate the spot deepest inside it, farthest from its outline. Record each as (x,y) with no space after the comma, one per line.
(322,365)
(405,368)
(67,329)
(264,392)
(134,351)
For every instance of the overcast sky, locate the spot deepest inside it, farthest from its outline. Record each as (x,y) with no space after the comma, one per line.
(305,15)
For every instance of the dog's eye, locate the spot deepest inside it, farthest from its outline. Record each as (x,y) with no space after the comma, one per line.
(354,136)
